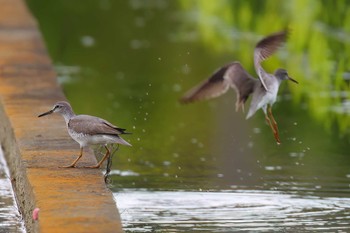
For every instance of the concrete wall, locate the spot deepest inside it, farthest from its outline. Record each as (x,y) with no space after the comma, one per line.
(72,199)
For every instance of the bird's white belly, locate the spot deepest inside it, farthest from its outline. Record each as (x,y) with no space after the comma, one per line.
(86,139)
(102,139)
(78,137)
(269,98)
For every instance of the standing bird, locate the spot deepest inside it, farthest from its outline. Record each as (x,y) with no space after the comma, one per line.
(264,89)
(88,130)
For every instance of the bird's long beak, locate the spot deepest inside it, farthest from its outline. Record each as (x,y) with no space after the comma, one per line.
(46,113)
(293,80)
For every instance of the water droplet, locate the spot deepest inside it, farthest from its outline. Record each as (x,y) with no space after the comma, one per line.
(87,41)
(166,163)
(140,22)
(159,59)
(177,87)
(250,144)
(120,76)
(135,44)
(269,168)
(185,69)
(256,130)
(116,105)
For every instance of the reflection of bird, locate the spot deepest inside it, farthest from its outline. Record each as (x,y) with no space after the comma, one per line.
(88,130)
(264,89)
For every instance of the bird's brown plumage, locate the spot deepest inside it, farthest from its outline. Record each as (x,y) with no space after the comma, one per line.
(93,125)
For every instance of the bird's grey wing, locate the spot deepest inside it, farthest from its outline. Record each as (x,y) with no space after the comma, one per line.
(93,125)
(212,87)
(231,75)
(242,82)
(264,49)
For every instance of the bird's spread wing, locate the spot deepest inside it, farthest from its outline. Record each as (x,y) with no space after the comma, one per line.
(93,125)
(264,49)
(242,82)
(232,75)
(212,87)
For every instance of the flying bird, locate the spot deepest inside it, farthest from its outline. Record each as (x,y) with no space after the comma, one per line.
(263,90)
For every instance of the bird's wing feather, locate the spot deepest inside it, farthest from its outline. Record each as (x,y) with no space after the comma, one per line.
(212,87)
(242,82)
(231,75)
(264,49)
(93,125)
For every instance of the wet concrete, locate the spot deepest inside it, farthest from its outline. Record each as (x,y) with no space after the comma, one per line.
(70,200)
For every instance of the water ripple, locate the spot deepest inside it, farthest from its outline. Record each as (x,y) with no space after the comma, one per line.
(264,211)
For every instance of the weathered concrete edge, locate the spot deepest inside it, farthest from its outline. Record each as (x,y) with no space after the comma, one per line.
(22,188)
(23,140)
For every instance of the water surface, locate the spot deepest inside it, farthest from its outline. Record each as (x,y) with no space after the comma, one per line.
(203,167)
(227,211)
(10,218)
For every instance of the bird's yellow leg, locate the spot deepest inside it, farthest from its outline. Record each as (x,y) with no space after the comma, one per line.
(102,160)
(269,110)
(273,125)
(75,161)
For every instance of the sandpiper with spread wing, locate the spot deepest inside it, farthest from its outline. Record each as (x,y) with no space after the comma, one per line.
(88,130)
(263,90)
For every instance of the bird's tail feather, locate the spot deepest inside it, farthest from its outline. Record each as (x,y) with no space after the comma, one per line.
(121,141)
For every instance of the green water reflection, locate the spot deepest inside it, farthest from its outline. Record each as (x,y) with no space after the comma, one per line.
(130,61)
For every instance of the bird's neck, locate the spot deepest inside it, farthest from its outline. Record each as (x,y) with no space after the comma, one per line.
(67,116)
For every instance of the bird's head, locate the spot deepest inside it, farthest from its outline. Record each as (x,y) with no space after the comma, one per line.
(61,107)
(282,74)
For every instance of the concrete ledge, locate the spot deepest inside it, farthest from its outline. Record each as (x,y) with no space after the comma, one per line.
(70,200)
